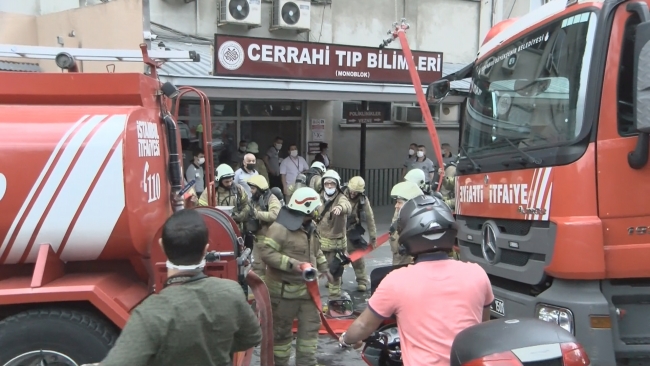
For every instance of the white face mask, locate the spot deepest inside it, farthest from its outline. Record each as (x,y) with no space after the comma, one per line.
(191,267)
(278,146)
(420,154)
(201,161)
(411,151)
(294,153)
(330,191)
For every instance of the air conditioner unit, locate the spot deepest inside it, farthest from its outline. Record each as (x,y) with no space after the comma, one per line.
(450,113)
(291,14)
(246,12)
(406,114)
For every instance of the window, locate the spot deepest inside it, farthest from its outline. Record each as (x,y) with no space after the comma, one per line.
(530,93)
(271,109)
(625,90)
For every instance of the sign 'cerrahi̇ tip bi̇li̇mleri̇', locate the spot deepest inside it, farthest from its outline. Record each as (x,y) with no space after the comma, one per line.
(272,58)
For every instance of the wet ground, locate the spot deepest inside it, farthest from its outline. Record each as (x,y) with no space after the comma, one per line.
(329,354)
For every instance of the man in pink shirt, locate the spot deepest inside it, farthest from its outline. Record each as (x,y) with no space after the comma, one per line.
(434,299)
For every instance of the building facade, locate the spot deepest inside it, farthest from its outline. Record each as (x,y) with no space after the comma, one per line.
(271,92)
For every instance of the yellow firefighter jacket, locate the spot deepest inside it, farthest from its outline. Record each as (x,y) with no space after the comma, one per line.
(355,213)
(332,228)
(398,259)
(235,196)
(266,215)
(282,251)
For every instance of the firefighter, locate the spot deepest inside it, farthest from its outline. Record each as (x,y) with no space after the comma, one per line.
(401,193)
(229,193)
(448,186)
(311,178)
(417,176)
(354,191)
(265,209)
(291,244)
(332,224)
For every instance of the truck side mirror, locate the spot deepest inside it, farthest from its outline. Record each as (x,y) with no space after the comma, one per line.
(438,90)
(638,158)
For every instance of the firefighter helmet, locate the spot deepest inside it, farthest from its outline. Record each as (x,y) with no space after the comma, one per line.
(258,181)
(405,191)
(320,166)
(357,184)
(304,200)
(426,224)
(252,148)
(416,176)
(224,171)
(331,174)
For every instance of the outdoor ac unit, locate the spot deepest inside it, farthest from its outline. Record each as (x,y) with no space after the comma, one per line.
(406,114)
(247,12)
(291,14)
(450,113)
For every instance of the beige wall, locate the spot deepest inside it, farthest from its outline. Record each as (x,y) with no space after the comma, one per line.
(18,29)
(114,25)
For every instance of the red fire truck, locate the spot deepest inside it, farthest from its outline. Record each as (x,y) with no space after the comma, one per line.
(553,181)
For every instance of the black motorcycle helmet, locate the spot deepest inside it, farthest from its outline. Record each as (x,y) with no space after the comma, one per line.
(426,224)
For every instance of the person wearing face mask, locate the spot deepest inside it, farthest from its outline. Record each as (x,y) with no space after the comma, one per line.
(425,164)
(260,165)
(177,326)
(265,209)
(272,161)
(229,193)
(195,172)
(401,193)
(238,156)
(332,223)
(322,156)
(410,158)
(354,191)
(289,247)
(245,172)
(290,168)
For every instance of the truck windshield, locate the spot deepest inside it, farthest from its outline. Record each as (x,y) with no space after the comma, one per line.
(531,92)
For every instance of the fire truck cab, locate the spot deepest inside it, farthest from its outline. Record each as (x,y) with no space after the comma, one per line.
(553,178)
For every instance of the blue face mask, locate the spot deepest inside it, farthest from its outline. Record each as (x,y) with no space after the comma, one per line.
(330,191)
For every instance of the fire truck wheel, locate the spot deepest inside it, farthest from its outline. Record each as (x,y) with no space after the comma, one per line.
(59,336)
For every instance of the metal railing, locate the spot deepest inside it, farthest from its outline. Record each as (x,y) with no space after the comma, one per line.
(378,182)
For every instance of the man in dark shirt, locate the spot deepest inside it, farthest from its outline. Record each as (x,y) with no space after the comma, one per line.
(196,320)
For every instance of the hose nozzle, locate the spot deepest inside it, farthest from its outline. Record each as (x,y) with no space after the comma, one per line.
(309,273)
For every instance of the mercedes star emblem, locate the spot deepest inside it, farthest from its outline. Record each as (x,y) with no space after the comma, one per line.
(491,252)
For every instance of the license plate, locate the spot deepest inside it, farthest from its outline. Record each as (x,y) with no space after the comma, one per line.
(498,307)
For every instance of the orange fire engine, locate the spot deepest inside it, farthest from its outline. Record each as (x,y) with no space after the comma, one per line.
(88,164)
(553,179)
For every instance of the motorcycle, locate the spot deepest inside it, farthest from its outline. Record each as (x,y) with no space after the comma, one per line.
(382,348)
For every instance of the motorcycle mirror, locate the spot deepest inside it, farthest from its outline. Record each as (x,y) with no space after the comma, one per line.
(340,308)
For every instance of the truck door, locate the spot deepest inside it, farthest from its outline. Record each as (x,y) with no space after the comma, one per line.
(623,192)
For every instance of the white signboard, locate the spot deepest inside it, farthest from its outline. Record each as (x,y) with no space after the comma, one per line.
(318,135)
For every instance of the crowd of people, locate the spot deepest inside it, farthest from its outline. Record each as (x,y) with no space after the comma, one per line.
(297,216)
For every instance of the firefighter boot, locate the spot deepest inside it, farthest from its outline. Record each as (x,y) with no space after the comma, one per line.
(361,275)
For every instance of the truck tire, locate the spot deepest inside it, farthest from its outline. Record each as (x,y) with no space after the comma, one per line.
(79,336)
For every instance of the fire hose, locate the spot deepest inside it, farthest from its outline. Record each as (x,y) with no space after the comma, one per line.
(310,275)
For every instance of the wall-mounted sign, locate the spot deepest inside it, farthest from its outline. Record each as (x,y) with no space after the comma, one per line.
(313,147)
(272,58)
(365,117)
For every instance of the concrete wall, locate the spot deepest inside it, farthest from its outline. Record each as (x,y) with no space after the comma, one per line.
(18,29)
(386,144)
(113,25)
(41,7)
(449,26)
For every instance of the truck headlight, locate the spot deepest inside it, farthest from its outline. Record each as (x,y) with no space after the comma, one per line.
(557,315)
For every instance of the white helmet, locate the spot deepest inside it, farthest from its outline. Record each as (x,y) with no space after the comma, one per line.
(331,174)
(304,200)
(224,171)
(320,166)
(416,176)
(405,191)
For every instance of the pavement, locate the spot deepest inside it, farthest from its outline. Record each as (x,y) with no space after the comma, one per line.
(329,354)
